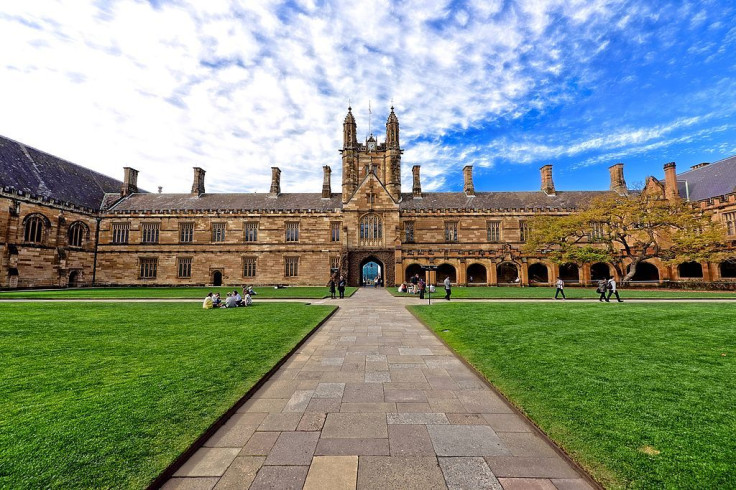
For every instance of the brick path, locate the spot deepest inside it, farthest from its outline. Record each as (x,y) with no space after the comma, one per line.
(374,400)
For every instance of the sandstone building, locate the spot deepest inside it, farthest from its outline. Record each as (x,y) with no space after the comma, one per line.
(64,225)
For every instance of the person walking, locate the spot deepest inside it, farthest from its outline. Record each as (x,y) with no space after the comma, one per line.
(341,286)
(331,285)
(421,285)
(560,288)
(601,289)
(613,290)
(448,289)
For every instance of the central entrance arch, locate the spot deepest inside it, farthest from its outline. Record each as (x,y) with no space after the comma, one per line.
(370,268)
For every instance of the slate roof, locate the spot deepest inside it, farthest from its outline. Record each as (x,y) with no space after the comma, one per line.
(240,202)
(499,200)
(314,202)
(36,173)
(715,179)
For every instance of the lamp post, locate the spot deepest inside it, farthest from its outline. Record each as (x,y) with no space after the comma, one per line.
(428,268)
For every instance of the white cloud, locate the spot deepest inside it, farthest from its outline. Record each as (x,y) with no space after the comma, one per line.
(239,86)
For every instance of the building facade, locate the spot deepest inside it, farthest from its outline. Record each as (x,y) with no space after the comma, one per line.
(63,225)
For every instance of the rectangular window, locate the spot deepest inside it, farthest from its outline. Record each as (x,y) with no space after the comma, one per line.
(493,230)
(250,230)
(291,266)
(334,263)
(596,232)
(149,232)
(335,232)
(185,267)
(409,231)
(186,232)
(120,232)
(523,231)
(292,231)
(451,231)
(730,219)
(249,267)
(148,268)
(218,232)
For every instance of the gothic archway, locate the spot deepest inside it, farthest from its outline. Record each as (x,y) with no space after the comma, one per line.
(73,281)
(538,273)
(690,270)
(600,270)
(569,272)
(446,270)
(412,270)
(477,274)
(507,273)
(370,268)
(645,272)
(217,278)
(727,268)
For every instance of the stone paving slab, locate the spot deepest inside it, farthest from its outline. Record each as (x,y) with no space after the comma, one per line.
(375,400)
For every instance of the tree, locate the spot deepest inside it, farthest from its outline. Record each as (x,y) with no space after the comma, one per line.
(630,228)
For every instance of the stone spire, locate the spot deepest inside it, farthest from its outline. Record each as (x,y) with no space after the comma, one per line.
(392,130)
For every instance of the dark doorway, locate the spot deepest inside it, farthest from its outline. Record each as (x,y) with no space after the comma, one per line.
(569,272)
(645,272)
(412,270)
(477,274)
(728,269)
(446,270)
(538,273)
(690,270)
(370,269)
(507,273)
(217,278)
(73,279)
(599,271)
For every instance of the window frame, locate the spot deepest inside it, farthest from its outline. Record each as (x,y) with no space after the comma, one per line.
(186,232)
(493,231)
(451,234)
(291,266)
(291,231)
(250,229)
(150,232)
(219,229)
(117,230)
(34,224)
(186,262)
(250,264)
(147,267)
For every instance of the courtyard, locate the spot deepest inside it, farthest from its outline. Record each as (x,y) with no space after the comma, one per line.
(111,393)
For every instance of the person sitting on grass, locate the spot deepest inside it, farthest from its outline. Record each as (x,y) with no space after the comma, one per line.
(251,291)
(231,302)
(402,288)
(208,303)
(216,301)
(247,301)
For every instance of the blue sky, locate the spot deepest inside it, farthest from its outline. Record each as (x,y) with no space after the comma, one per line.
(238,86)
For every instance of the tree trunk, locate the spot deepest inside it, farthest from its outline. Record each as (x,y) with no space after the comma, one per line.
(632,270)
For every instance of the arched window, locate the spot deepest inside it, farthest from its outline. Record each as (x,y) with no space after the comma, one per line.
(77,232)
(33,231)
(371,230)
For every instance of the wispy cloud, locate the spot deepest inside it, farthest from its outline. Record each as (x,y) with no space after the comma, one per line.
(237,87)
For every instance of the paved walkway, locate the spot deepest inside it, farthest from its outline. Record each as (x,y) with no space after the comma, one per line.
(375,400)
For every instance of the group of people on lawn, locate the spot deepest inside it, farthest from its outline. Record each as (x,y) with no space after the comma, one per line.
(233,299)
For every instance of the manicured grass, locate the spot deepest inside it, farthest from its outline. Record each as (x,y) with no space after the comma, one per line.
(108,395)
(642,395)
(266,292)
(510,292)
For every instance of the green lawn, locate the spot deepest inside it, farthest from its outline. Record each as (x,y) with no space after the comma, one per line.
(510,292)
(641,395)
(108,395)
(299,292)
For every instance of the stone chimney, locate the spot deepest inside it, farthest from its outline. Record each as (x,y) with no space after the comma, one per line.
(198,184)
(275,181)
(548,186)
(130,181)
(468,180)
(417,187)
(618,184)
(670,181)
(326,185)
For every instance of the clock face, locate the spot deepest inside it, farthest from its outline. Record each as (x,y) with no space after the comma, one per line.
(371,145)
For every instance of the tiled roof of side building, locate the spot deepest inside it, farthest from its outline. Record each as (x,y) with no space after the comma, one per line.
(37,173)
(715,179)
(234,202)
(499,200)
